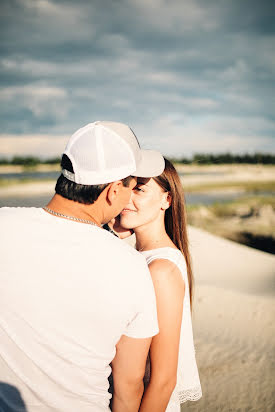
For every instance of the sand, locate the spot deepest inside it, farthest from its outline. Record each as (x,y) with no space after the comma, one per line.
(194,175)
(233,320)
(19,169)
(28,189)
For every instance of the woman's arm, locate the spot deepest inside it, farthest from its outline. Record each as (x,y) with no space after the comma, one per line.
(169,288)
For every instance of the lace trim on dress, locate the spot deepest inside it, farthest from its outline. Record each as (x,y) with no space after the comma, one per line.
(192,394)
(178,395)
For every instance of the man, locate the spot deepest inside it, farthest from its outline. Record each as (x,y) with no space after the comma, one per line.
(73,297)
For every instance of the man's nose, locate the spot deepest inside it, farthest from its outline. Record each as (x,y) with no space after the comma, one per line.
(130,203)
(132,196)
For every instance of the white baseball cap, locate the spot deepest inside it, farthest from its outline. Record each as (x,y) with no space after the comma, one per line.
(103,152)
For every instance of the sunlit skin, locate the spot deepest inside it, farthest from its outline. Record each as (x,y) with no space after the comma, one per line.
(145,215)
(109,203)
(121,198)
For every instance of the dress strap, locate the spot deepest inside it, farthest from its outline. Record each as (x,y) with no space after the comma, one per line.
(173,255)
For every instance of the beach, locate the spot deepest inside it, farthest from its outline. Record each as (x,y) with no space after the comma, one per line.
(233,321)
(195,175)
(234,201)
(234,312)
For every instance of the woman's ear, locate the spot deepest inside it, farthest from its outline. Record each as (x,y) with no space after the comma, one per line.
(166,201)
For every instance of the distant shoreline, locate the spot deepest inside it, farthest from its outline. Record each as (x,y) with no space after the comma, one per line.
(246,220)
(21,169)
(237,178)
(28,188)
(181,167)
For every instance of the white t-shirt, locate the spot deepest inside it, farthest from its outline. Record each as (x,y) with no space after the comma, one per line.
(68,291)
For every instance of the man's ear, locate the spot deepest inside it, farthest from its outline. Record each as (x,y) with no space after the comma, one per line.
(113,191)
(166,201)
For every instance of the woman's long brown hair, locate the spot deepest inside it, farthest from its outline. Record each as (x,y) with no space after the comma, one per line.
(175,216)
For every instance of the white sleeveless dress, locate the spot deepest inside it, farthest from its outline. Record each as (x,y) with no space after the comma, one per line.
(188,387)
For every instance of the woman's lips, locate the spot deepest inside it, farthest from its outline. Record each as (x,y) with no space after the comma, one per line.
(124,211)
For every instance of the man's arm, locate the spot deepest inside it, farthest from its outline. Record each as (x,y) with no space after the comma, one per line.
(128,371)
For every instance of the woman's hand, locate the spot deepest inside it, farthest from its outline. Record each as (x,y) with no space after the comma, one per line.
(122,233)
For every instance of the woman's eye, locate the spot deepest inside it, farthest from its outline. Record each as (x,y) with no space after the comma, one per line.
(138,189)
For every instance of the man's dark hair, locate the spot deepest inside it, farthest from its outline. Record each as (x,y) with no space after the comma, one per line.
(86,194)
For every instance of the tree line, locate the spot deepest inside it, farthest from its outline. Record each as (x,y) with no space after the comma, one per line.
(29,161)
(198,158)
(228,158)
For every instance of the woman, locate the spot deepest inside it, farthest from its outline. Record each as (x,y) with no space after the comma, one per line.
(156,213)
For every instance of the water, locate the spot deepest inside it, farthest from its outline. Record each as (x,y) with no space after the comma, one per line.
(201,173)
(53,175)
(28,200)
(202,198)
(25,201)
(190,198)
(30,175)
(207,199)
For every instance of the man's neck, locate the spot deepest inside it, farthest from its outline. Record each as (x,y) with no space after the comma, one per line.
(74,209)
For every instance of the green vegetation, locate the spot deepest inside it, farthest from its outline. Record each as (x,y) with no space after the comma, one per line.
(12,182)
(227,158)
(198,158)
(24,180)
(230,209)
(248,187)
(248,220)
(29,161)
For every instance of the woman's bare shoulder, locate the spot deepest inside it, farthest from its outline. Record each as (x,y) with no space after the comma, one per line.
(166,274)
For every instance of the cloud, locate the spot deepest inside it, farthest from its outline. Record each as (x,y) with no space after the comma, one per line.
(40,100)
(193,67)
(176,138)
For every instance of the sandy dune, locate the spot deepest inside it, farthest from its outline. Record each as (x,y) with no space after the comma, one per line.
(28,189)
(192,175)
(233,325)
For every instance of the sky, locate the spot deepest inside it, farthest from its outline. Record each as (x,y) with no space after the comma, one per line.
(188,76)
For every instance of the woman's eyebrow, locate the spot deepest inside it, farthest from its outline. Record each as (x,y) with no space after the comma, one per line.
(142,182)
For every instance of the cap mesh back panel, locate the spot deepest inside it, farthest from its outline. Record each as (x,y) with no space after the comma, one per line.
(84,152)
(116,151)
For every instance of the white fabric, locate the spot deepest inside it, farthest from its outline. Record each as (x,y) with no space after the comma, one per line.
(188,385)
(68,291)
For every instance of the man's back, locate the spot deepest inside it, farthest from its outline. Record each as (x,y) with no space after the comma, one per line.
(68,292)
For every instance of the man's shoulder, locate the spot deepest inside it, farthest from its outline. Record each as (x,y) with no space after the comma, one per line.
(122,248)
(18,217)
(123,256)
(5,212)
(14,212)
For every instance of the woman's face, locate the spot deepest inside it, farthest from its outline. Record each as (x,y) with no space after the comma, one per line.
(147,203)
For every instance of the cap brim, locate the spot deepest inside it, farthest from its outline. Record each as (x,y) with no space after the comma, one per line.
(151,164)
